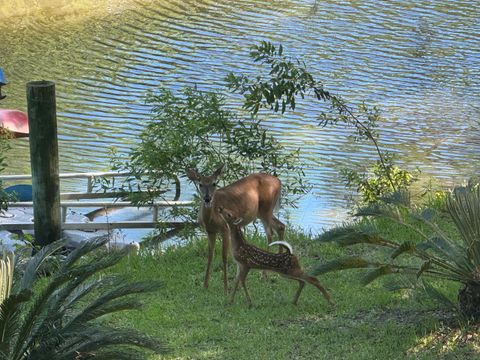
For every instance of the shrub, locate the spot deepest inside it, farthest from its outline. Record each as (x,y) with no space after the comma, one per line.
(436,254)
(57,317)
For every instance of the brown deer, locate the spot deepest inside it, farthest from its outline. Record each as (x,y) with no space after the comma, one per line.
(254,196)
(251,257)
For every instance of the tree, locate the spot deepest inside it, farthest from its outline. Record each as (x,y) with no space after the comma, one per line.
(194,129)
(286,81)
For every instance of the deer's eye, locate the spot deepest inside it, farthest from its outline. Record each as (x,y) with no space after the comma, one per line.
(214,184)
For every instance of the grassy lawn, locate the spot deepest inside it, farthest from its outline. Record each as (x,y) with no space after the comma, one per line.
(366,323)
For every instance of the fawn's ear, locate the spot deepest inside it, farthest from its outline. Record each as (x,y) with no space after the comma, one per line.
(192,174)
(219,171)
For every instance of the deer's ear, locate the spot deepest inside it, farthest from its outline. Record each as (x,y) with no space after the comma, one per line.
(219,171)
(192,175)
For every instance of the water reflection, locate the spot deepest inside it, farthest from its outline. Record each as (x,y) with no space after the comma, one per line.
(417,60)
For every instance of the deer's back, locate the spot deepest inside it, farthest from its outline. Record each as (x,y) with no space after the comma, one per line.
(250,195)
(257,258)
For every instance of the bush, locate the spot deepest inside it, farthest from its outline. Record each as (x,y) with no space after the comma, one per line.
(57,317)
(436,254)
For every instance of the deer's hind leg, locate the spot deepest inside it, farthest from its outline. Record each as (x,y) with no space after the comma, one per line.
(271,224)
(279,227)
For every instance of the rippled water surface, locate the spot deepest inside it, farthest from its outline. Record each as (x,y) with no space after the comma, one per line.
(418,61)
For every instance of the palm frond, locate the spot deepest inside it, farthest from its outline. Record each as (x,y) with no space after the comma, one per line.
(376,273)
(42,329)
(30,272)
(348,262)
(463,205)
(427,265)
(79,290)
(10,317)
(106,304)
(379,210)
(29,330)
(97,339)
(434,293)
(400,197)
(403,282)
(45,302)
(351,234)
(448,250)
(119,353)
(406,247)
(84,248)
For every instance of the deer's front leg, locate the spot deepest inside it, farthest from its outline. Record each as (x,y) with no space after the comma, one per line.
(225,248)
(211,249)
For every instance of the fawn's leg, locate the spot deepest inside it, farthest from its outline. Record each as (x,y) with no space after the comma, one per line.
(211,249)
(225,248)
(243,275)
(237,282)
(301,284)
(314,281)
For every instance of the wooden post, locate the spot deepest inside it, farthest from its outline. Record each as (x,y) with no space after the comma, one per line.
(42,120)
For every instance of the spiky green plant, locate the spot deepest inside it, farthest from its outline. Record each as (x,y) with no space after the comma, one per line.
(57,318)
(6,275)
(435,254)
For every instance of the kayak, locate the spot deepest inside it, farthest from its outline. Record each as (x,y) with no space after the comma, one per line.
(15,121)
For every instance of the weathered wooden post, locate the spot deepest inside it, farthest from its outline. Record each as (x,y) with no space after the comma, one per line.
(42,120)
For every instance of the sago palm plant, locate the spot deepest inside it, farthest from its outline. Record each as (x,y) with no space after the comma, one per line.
(435,254)
(57,317)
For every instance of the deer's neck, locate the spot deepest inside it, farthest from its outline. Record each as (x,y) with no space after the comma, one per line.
(209,219)
(237,237)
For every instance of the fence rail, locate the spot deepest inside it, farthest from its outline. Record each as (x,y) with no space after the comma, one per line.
(66,203)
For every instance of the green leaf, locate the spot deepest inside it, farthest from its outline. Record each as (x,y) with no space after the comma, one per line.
(34,264)
(349,262)
(350,235)
(447,250)
(438,296)
(406,247)
(427,265)
(376,273)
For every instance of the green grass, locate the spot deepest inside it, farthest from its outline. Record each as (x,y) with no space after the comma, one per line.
(366,323)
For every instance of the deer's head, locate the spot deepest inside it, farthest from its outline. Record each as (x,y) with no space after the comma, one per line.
(206,185)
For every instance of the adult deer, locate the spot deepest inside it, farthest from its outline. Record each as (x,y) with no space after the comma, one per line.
(251,257)
(254,196)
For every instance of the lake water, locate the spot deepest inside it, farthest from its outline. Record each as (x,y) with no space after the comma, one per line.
(419,61)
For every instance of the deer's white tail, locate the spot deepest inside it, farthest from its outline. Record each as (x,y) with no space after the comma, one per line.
(285,244)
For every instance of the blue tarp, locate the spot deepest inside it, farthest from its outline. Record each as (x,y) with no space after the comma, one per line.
(22,191)
(3,79)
